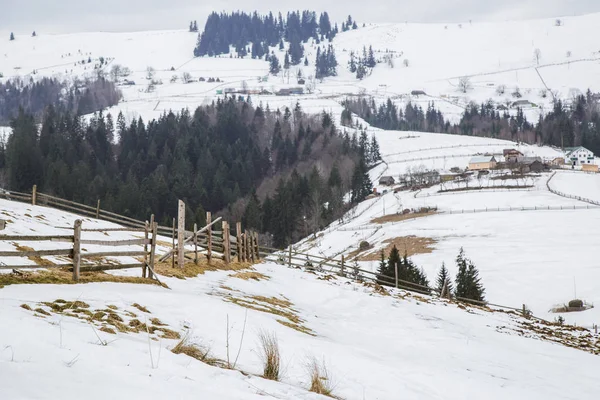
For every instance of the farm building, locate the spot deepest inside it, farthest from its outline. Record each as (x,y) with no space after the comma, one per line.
(511,155)
(418,93)
(558,161)
(387,180)
(482,162)
(522,103)
(579,156)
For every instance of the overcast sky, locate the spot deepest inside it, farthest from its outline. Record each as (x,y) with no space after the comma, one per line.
(59,16)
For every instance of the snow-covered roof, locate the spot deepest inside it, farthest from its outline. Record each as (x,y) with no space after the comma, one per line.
(571,150)
(481,159)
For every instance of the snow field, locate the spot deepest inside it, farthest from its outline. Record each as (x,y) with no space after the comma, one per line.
(375,347)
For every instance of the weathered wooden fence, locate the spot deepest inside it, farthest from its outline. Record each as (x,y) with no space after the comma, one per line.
(78,256)
(210,242)
(341,267)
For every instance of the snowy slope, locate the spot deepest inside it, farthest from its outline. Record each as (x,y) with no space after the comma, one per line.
(541,257)
(497,54)
(375,347)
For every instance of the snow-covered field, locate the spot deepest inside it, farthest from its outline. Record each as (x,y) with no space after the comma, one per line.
(374,347)
(532,247)
(497,54)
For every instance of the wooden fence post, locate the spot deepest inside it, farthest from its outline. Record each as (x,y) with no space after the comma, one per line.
(251,247)
(238,237)
(396,274)
(290,257)
(76,249)
(342,267)
(34,195)
(181,235)
(153,247)
(256,252)
(195,244)
(146,236)
(226,243)
(246,246)
(209,236)
(98,212)
(173,239)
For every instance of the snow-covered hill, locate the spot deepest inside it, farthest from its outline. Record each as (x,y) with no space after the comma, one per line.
(492,54)
(375,346)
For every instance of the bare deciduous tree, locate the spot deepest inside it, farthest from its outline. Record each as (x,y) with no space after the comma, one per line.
(500,90)
(150,73)
(186,77)
(537,56)
(464,84)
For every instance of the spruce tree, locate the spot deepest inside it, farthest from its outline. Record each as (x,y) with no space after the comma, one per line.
(281,45)
(468,283)
(191,26)
(33,34)
(274,67)
(306,61)
(375,154)
(286,61)
(352,63)
(443,283)
(12,36)
(371,63)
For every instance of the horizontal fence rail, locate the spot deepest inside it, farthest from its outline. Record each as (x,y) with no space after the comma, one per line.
(341,267)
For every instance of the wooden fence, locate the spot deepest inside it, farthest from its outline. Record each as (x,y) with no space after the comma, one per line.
(240,245)
(41,199)
(343,268)
(76,256)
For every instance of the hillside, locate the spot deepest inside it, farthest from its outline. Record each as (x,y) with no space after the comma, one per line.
(497,54)
(375,346)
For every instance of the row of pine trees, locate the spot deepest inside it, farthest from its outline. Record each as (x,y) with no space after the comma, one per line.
(467,283)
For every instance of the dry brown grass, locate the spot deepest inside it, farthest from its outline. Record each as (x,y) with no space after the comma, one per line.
(26,307)
(61,276)
(141,308)
(320,380)
(270,355)
(197,351)
(250,275)
(400,217)
(412,245)
(107,320)
(42,262)
(272,305)
(192,270)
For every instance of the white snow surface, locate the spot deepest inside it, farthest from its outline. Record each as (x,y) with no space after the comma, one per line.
(375,347)
(497,54)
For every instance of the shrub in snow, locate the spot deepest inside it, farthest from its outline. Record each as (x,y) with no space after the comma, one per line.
(364,245)
(576,304)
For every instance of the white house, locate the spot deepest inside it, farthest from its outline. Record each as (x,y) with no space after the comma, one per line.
(579,156)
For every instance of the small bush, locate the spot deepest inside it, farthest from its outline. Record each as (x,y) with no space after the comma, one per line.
(560,320)
(364,245)
(271,357)
(576,304)
(320,381)
(200,353)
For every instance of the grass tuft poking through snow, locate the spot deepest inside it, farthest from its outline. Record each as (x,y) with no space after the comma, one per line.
(320,379)
(197,351)
(65,277)
(192,270)
(270,355)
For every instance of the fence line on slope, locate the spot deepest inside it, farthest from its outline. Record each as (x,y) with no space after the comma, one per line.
(476,211)
(76,253)
(447,147)
(341,267)
(569,196)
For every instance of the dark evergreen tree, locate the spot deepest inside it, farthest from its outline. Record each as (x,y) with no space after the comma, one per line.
(306,61)
(361,183)
(375,155)
(33,34)
(444,283)
(12,36)
(286,62)
(468,283)
(371,62)
(274,67)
